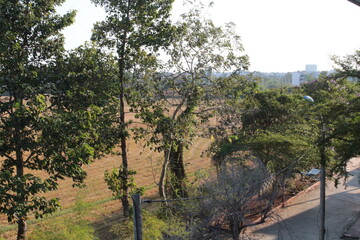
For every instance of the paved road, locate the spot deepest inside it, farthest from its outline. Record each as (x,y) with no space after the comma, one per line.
(299,219)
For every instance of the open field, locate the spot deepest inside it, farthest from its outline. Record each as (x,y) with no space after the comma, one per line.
(106,210)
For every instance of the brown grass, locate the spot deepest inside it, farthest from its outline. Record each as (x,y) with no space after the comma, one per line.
(107,211)
(147,164)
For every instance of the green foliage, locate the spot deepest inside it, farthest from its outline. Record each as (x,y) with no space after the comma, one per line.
(152,29)
(49,120)
(88,77)
(60,138)
(88,85)
(270,124)
(336,115)
(348,125)
(348,66)
(176,101)
(275,128)
(30,43)
(135,31)
(123,230)
(115,181)
(287,133)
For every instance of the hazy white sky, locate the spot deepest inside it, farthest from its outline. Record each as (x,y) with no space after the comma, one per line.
(278,35)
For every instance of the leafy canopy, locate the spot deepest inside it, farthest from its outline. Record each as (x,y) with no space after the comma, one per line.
(49,127)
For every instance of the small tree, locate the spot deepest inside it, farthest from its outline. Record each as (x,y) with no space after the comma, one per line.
(203,60)
(134,30)
(235,197)
(335,114)
(113,180)
(276,131)
(270,125)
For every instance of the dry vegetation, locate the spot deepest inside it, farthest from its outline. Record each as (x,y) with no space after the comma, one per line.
(106,211)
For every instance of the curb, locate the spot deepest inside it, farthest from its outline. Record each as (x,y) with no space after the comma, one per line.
(305,191)
(284,205)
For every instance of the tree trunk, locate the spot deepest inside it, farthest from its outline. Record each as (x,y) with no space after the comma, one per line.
(22,229)
(282,191)
(162,192)
(177,169)
(270,200)
(235,227)
(123,145)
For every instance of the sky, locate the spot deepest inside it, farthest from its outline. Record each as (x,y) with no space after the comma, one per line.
(278,35)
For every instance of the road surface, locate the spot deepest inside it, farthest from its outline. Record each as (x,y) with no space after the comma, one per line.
(299,220)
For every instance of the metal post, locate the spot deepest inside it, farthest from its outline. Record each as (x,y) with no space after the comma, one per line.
(321,146)
(137,216)
(322,202)
(322,180)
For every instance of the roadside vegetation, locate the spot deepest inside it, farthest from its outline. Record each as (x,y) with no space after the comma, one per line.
(220,149)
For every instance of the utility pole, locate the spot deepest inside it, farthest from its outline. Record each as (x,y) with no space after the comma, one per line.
(322,180)
(321,146)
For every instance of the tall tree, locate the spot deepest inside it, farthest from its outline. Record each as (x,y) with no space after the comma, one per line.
(29,41)
(204,61)
(42,139)
(134,30)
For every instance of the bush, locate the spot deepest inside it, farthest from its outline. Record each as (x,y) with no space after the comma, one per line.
(154,228)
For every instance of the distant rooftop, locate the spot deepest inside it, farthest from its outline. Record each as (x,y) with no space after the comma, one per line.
(357,2)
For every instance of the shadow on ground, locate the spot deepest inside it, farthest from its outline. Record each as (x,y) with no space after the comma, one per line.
(299,220)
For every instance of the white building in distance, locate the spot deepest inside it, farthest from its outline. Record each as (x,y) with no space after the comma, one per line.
(297,78)
(311,68)
(300,77)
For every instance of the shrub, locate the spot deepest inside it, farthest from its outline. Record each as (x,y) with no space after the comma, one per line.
(154,228)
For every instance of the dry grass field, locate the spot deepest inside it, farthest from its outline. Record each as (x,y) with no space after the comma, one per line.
(107,211)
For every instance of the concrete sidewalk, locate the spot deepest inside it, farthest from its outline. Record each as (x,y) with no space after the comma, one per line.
(299,219)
